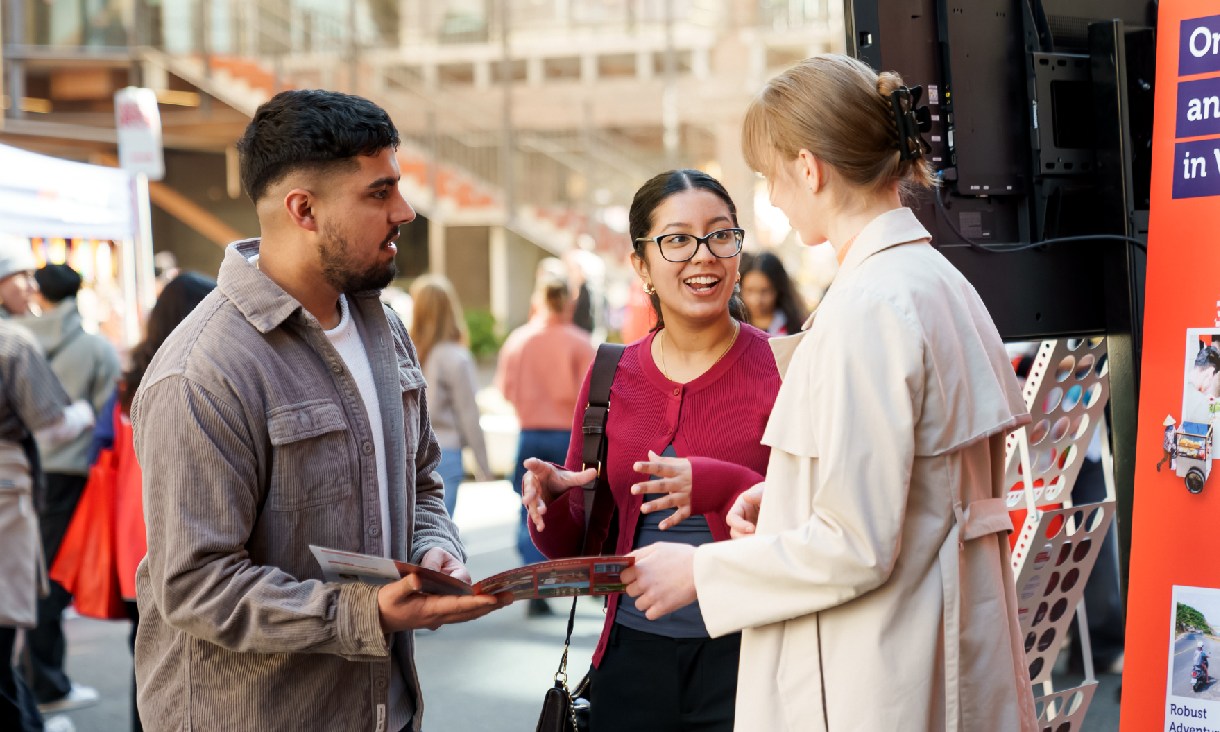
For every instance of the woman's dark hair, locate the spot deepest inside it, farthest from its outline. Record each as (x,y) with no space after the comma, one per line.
(787,299)
(649,198)
(177,300)
(310,129)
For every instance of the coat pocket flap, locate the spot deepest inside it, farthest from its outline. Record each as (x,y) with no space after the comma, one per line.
(297,422)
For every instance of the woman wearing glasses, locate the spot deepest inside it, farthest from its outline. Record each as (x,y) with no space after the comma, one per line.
(875,556)
(688,407)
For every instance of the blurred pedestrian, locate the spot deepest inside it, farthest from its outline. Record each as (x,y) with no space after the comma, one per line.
(540,369)
(439,332)
(88,367)
(113,431)
(771,299)
(17,284)
(875,555)
(288,410)
(32,402)
(687,410)
(638,316)
(165,269)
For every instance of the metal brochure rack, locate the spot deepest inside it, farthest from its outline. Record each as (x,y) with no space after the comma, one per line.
(1066,394)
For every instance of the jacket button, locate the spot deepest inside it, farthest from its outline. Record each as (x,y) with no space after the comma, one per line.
(379,684)
(337,368)
(677,392)
(374,531)
(367,447)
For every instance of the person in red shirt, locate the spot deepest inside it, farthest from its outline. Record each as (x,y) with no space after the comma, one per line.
(687,408)
(539,372)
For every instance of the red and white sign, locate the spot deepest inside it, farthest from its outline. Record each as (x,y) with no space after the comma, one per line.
(1173,596)
(138,122)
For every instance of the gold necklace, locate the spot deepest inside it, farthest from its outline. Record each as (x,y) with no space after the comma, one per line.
(661,347)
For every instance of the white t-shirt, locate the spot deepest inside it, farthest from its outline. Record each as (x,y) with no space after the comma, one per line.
(346,340)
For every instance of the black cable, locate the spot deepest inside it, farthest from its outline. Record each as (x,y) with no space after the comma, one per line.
(940,207)
(1061,239)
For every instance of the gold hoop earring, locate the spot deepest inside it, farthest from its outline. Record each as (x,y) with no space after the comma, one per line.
(649,289)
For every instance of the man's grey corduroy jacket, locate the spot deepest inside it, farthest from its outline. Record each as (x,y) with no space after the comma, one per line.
(254,444)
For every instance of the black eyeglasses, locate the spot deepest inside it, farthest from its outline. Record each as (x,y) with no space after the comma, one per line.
(722,243)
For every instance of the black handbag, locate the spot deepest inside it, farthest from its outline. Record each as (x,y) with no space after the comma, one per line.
(564,709)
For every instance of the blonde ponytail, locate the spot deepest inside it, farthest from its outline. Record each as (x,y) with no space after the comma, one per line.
(839,109)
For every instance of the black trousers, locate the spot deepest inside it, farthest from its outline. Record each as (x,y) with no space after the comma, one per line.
(651,683)
(45,645)
(18,709)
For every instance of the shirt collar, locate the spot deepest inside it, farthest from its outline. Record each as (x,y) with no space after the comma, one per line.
(255,295)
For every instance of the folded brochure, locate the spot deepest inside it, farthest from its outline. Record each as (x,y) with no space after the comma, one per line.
(556,578)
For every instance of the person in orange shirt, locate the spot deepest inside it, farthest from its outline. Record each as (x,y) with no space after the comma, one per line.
(540,371)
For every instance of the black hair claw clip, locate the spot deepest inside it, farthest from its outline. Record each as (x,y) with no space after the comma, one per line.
(910,119)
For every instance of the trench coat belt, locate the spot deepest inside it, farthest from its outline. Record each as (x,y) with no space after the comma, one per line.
(981,518)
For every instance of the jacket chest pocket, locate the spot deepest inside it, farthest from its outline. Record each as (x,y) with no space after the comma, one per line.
(312,456)
(411,383)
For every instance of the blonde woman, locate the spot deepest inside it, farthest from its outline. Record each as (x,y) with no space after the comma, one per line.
(874,556)
(439,332)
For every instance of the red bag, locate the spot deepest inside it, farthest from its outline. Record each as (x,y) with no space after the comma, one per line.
(85,565)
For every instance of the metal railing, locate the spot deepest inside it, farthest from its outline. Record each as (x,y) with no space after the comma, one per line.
(578,168)
(467,21)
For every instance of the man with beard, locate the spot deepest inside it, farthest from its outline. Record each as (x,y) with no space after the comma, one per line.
(289,409)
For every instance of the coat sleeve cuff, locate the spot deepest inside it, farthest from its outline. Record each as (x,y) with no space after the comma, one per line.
(359,623)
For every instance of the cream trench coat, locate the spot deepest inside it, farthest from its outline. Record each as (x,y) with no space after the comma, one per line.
(876,593)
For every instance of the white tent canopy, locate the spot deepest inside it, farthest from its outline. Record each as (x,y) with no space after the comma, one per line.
(41,196)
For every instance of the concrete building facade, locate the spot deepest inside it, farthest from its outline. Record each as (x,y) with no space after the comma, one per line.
(526,124)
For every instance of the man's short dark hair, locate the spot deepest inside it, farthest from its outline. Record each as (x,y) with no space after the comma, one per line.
(313,129)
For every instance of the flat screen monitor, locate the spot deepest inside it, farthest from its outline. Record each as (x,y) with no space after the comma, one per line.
(1023,140)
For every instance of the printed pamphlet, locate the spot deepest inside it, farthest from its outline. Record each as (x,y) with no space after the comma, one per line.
(556,578)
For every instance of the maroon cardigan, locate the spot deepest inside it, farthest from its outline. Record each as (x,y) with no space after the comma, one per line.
(716,421)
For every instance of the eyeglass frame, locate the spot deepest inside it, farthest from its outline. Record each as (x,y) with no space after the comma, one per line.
(704,240)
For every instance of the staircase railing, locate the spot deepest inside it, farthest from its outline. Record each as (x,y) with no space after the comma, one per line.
(551,169)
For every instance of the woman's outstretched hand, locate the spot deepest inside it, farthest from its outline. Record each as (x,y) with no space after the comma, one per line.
(673,476)
(543,483)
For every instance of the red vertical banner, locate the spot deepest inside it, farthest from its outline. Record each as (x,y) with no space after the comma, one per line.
(1173,612)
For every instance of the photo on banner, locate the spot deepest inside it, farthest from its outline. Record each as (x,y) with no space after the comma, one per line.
(1194,635)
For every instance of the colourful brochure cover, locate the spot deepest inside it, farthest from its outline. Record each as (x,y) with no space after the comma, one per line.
(556,578)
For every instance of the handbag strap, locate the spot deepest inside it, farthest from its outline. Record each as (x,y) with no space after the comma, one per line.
(593,427)
(605,364)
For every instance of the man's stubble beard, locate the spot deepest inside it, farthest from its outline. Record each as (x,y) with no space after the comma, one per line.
(333,252)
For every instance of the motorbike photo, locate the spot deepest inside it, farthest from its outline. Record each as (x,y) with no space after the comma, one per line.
(1198,675)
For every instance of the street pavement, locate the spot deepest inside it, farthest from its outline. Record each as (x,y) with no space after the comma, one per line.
(489,674)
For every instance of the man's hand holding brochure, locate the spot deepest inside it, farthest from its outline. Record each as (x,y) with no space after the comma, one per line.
(556,578)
